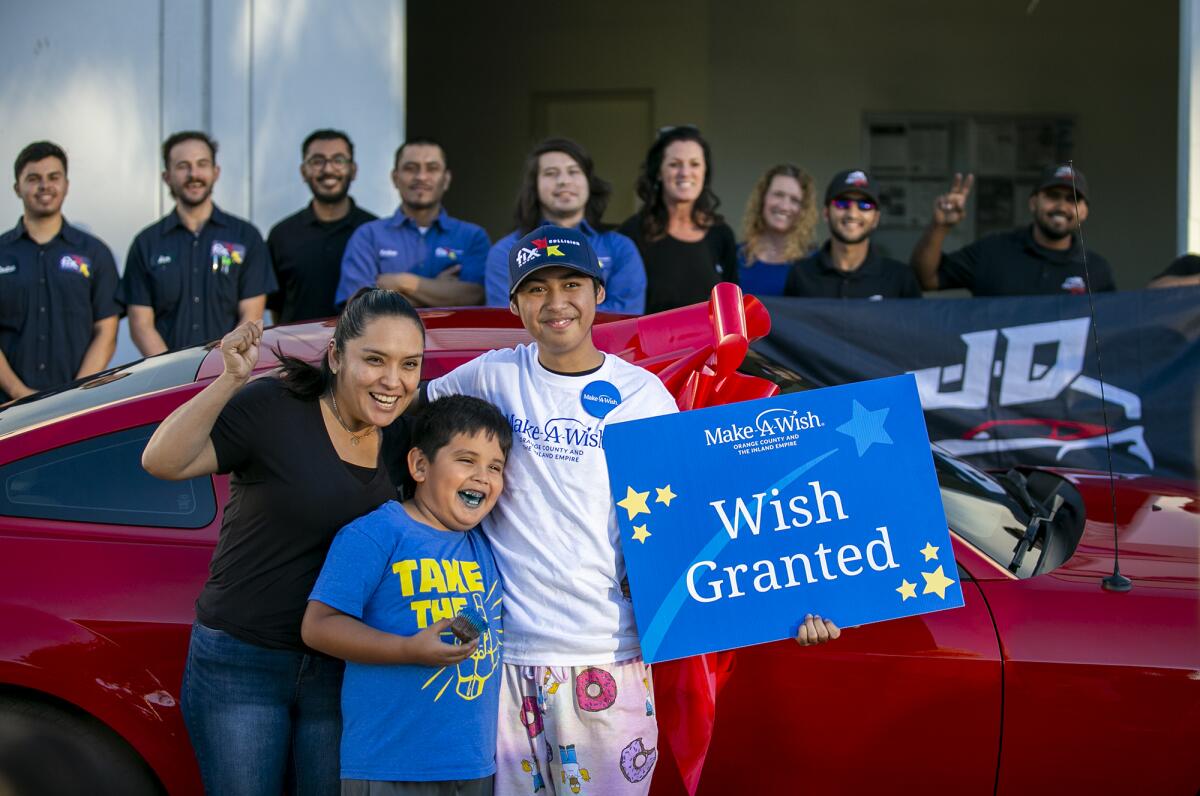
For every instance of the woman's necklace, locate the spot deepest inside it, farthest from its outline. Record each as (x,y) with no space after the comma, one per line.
(354,437)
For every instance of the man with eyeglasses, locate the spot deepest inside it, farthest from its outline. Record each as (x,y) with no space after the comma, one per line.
(307,247)
(846,266)
(1044,258)
(435,260)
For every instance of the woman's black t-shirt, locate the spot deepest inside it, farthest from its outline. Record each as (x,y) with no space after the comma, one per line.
(679,273)
(290,493)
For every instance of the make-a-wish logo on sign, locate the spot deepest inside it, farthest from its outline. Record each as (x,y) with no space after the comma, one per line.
(758,513)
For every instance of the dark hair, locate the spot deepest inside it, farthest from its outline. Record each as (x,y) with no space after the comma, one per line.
(327,134)
(38,150)
(187,135)
(528,211)
(440,420)
(309,382)
(649,185)
(421,141)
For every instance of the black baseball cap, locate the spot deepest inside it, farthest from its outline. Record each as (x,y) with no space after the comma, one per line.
(1064,175)
(549,246)
(851,181)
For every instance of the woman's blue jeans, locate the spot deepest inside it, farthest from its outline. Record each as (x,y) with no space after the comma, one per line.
(262,721)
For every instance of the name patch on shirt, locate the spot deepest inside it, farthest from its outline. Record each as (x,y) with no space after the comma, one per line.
(447,253)
(388,252)
(76,263)
(226,254)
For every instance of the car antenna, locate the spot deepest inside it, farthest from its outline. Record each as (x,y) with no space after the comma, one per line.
(1116,581)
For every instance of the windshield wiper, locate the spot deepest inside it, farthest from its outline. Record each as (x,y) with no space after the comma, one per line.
(1033,530)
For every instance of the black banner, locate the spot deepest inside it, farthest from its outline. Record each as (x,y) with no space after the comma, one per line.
(1009,381)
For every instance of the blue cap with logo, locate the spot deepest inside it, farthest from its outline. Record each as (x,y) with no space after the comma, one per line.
(550,246)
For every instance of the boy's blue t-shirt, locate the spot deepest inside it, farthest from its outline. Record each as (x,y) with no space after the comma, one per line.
(409,723)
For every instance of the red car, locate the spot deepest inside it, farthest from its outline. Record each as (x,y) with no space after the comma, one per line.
(1042,683)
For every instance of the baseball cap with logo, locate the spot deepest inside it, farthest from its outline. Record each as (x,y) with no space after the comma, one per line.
(1064,175)
(549,246)
(851,181)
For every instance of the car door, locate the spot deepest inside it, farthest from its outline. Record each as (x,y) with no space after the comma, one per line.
(892,707)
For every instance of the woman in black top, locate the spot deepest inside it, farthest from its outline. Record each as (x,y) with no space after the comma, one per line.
(685,244)
(262,710)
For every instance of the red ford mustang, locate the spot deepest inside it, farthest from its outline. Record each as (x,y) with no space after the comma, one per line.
(1042,683)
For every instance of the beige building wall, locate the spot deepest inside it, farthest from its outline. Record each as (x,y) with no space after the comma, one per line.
(770,81)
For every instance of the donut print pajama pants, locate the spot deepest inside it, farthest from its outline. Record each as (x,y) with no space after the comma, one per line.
(587,730)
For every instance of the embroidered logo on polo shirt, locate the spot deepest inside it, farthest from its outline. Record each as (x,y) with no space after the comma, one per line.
(388,252)
(77,263)
(447,253)
(1074,284)
(163,259)
(8,269)
(226,255)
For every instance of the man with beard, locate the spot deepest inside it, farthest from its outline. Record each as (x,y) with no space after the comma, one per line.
(198,272)
(847,266)
(560,187)
(307,247)
(58,285)
(421,251)
(1043,258)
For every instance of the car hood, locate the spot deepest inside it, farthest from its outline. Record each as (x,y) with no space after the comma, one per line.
(1158,526)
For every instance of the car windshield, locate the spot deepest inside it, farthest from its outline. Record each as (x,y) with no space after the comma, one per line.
(116,384)
(978,506)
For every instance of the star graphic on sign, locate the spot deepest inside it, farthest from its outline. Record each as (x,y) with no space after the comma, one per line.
(866,427)
(907,590)
(936,583)
(929,551)
(640,534)
(634,502)
(665,495)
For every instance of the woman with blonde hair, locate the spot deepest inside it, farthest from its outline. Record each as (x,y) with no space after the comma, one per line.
(778,228)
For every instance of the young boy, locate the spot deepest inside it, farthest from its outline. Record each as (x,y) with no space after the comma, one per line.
(576,711)
(419,706)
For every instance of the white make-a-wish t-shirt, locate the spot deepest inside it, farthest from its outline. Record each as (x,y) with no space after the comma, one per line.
(554,530)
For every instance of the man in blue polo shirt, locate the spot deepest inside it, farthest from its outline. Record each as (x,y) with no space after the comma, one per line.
(198,272)
(560,187)
(58,285)
(435,260)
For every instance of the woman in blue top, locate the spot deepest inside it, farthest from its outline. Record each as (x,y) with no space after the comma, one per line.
(781,217)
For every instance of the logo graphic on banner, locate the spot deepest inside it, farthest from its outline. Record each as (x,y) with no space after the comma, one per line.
(757,513)
(1016,381)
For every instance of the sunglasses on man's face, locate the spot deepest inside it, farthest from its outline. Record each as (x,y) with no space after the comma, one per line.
(865,205)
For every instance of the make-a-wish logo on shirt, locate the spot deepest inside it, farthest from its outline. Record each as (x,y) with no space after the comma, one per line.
(225,255)
(447,253)
(77,263)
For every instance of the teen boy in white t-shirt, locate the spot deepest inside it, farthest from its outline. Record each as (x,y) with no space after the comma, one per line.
(576,704)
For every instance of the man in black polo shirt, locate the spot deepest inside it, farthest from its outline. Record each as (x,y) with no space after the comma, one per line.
(1043,258)
(306,248)
(198,272)
(846,266)
(58,285)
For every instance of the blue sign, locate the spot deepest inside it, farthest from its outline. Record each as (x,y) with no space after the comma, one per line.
(738,520)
